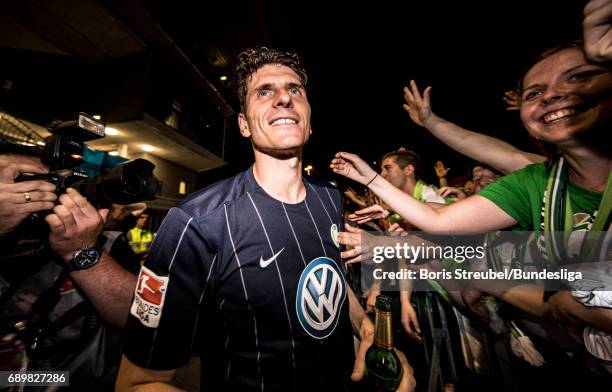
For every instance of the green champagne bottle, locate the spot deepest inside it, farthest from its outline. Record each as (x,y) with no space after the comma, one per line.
(383,367)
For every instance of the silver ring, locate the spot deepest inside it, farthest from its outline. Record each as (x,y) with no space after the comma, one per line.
(28,197)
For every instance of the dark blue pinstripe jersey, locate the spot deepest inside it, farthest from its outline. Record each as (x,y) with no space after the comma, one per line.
(255,285)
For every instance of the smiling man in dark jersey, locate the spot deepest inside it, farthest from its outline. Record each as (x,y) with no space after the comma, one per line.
(247,271)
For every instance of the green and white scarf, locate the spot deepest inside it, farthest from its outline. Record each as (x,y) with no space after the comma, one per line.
(557,219)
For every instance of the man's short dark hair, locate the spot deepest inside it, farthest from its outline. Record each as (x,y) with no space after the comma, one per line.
(250,60)
(404,158)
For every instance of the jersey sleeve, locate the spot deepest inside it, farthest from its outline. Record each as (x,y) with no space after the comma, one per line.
(165,312)
(511,194)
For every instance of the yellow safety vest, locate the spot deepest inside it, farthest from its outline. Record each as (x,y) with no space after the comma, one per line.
(140,239)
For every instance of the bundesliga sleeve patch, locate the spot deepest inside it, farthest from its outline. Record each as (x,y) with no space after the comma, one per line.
(149,297)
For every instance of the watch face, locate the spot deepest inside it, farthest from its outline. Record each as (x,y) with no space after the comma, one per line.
(86,258)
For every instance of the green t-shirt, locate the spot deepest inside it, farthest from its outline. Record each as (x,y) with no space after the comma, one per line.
(520,195)
(429,194)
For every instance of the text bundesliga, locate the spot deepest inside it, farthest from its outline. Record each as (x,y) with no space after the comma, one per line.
(508,274)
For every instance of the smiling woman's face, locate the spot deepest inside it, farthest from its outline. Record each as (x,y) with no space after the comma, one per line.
(565,96)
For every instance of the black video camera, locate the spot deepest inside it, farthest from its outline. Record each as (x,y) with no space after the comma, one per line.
(126,183)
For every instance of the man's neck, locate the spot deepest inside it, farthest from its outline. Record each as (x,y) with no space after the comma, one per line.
(280,178)
(409,186)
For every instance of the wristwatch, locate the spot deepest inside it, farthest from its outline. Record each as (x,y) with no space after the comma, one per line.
(84,258)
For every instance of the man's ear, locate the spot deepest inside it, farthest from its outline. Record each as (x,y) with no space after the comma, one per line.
(310,132)
(243,125)
(409,170)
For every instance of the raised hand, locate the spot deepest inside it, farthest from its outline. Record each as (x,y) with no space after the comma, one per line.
(351,166)
(369,213)
(597,30)
(417,106)
(441,171)
(512,99)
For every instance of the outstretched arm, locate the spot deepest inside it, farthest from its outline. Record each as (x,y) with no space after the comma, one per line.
(494,152)
(457,217)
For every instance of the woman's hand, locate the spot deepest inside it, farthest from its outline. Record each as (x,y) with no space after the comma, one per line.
(351,166)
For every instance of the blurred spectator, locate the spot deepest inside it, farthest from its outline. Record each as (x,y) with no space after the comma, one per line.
(402,169)
(469,187)
(140,237)
(483,175)
(119,221)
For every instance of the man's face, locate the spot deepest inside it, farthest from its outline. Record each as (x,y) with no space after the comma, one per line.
(564,96)
(277,117)
(391,172)
(142,221)
(482,177)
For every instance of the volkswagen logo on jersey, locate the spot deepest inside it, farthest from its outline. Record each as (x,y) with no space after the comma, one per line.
(320,296)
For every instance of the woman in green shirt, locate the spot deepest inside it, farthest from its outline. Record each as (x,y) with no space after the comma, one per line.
(567,106)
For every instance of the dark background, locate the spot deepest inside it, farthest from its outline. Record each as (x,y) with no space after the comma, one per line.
(360,55)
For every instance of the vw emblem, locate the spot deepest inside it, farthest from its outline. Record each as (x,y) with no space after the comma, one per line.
(320,296)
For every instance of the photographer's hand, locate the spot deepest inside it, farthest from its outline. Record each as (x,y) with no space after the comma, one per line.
(19,200)
(75,224)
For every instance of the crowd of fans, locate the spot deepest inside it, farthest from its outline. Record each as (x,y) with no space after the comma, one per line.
(70,317)
(564,102)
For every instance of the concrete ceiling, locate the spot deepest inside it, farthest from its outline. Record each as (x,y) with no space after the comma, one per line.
(81,28)
(168,144)
(92,31)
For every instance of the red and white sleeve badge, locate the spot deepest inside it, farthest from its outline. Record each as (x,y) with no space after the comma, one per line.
(149,297)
